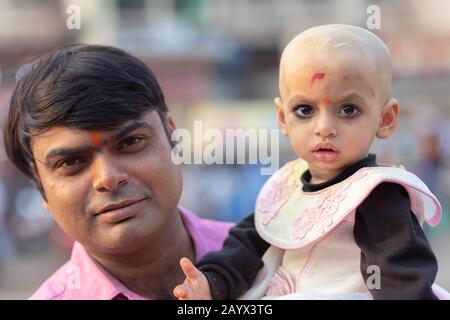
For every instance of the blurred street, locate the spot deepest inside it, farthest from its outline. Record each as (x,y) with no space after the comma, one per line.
(217,63)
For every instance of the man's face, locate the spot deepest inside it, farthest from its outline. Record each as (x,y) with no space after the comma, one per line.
(110,190)
(330,109)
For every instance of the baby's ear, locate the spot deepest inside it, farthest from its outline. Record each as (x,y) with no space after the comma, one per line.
(388,121)
(280,115)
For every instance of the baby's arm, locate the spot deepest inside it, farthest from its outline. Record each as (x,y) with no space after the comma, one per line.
(231,271)
(391,238)
(195,286)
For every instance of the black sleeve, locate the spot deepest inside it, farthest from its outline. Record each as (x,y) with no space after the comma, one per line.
(391,238)
(231,271)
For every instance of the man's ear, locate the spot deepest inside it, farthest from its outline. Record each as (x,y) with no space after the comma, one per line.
(170,123)
(169,127)
(45,205)
(388,121)
(280,115)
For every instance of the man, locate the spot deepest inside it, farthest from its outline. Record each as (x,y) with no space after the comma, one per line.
(89,126)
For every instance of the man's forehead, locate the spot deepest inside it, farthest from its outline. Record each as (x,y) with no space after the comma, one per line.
(64,137)
(64,132)
(148,120)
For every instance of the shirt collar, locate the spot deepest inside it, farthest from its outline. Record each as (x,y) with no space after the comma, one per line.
(369,161)
(95,283)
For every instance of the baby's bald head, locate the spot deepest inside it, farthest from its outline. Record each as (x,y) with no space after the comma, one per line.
(329,41)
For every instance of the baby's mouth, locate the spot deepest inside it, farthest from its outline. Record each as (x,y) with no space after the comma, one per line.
(325,154)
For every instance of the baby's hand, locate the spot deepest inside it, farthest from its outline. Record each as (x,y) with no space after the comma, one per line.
(195,286)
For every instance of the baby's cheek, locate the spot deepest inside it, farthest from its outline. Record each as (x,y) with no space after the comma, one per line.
(360,145)
(300,147)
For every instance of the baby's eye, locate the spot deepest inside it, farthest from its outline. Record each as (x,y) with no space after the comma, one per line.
(304,111)
(348,110)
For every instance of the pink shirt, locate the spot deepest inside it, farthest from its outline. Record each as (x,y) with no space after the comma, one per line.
(81,278)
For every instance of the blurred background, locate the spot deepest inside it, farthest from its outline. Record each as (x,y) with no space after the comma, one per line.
(217,62)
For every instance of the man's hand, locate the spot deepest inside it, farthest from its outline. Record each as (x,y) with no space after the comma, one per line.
(195,286)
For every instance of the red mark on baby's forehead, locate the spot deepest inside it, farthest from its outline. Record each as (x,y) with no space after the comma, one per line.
(96,138)
(325,100)
(317,76)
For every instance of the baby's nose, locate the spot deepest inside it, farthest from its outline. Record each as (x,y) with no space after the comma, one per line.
(325,126)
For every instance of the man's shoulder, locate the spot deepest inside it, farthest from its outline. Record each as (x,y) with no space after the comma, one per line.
(214,232)
(54,287)
(216,224)
(204,223)
(207,233)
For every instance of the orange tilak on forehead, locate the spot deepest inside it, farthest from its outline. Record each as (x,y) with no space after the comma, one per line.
(317,76)
(96,138)
(326,100)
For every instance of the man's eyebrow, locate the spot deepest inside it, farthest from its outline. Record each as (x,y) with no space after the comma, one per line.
(126,130)
(64,152)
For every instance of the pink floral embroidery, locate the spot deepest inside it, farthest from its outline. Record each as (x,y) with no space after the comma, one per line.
(317,217)
(276,195)
(321,216)
(280,284)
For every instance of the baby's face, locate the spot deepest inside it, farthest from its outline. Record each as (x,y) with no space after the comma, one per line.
(330,107)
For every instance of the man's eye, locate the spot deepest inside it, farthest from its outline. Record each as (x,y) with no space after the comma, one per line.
(348,110)
(129,142)
(69,162)
(304,111)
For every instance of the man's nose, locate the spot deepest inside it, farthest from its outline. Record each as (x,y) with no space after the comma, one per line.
(325,125)
(107,174)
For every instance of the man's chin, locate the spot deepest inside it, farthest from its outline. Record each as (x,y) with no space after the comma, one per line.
(126,236)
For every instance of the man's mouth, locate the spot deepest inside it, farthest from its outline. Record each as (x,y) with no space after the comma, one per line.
(121,211)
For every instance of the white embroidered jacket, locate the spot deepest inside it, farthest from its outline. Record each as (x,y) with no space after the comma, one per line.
(313,254)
